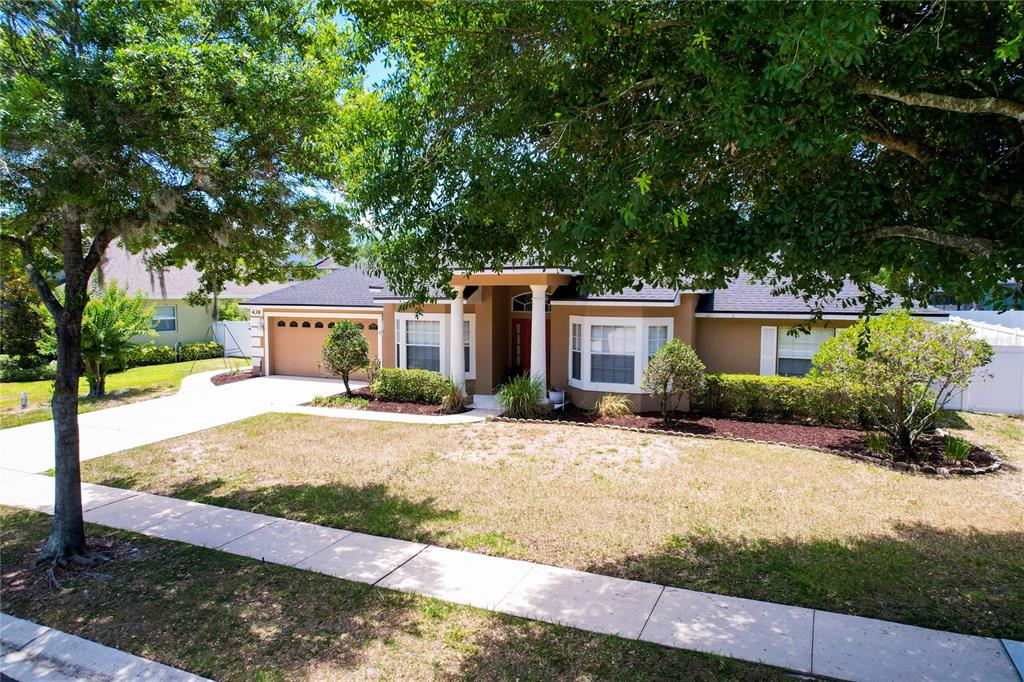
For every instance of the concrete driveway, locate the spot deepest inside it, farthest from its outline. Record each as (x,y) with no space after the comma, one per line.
(198,405)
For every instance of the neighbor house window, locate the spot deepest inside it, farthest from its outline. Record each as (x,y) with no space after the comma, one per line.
(657,336)
(423,345)
(795,351)
(576,351)
(466,350)
(165,318)
(611,353)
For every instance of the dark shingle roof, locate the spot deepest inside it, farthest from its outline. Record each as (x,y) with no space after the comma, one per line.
(343,287)
(745,295)
(646,294)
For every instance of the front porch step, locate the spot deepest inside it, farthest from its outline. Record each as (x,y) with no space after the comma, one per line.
(484,401)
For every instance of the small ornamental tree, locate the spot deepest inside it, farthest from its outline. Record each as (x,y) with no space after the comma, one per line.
(906,369)
(111,321)
(344,351)
(674,371)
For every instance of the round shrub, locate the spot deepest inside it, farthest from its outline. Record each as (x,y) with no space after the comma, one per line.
(410,386)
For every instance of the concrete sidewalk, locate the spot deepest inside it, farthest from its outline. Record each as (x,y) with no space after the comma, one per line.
(198,405)
(35,652)
(798,639)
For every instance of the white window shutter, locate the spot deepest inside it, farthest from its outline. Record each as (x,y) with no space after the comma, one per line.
(769,341)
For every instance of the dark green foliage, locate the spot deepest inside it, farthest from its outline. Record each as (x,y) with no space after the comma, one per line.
(200,351)
(674,371)
(13,369)
(21,321)
(680,142)
(345,350)
(521,397)
(771,397)
(149,354)
(410,386)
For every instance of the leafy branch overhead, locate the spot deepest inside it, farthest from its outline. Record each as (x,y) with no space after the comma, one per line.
(680,143)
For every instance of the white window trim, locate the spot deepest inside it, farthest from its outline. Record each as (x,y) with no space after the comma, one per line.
(640,326)
(172,306)
(782,331)
(445,320)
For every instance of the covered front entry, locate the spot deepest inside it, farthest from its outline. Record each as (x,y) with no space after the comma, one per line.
(295,343)
(521,344)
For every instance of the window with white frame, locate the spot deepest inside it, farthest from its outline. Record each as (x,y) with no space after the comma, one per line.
(795,351)
(611,353)
(657,336)
(423,344)
(165,318)
(523,303)
(576,351)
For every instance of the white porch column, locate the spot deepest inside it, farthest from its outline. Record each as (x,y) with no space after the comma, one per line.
(456,354)
(539,337)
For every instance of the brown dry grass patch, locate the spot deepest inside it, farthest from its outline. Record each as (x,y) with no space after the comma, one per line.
(767,522)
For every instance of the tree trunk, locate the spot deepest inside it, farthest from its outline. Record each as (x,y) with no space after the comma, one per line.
(67,537)
(344,379)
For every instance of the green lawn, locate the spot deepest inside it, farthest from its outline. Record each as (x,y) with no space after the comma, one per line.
(776,523)
(138,383)
(231,618)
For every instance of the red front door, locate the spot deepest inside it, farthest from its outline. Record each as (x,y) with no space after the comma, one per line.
(521,330)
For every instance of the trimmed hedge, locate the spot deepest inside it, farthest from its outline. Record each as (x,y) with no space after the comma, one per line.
(410,386)
(12,371)
(147,354)
(757,397)
(200,351)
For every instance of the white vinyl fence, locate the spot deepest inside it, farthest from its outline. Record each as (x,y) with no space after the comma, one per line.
(997,387)
(1010,318)
(235,336)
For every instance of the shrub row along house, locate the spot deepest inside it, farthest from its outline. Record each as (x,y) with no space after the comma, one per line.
(539,320)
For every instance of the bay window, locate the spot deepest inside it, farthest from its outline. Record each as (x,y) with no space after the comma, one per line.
(423,342)
(611,353)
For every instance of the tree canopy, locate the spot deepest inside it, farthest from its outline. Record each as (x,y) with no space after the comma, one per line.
(681,142)
(200,130)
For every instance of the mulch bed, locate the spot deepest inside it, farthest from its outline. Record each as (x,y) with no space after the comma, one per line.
(232,377)
(830,438)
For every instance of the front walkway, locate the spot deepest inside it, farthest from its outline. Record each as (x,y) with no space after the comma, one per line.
(35,652)
(799,639)
(196,406)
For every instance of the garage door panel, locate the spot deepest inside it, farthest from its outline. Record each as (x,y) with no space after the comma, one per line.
(295,350)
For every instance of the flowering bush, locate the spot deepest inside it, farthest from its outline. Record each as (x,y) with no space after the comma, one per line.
(906,369)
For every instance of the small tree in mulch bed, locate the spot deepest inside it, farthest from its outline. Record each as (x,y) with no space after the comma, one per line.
(345,351)
(674,371)
(906,370)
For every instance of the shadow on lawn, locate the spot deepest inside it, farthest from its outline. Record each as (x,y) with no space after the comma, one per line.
(367,508)
(970,581)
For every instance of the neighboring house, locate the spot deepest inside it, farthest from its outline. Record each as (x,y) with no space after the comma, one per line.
(526,317)
(174,320)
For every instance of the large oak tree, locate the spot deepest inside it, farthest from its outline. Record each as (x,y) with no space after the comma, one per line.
(683,141)
(195,129)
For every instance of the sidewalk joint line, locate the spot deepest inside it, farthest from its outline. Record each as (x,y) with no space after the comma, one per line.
(245,535)
(402,564)
(814,620)
(533,567)
(324,548)
(648,620)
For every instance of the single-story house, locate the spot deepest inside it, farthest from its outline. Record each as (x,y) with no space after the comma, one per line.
(538,320)
(174,319)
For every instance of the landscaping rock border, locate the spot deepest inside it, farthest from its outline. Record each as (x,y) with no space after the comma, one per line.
(902,467)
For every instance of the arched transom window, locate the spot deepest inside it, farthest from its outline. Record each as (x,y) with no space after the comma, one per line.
(523,303)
